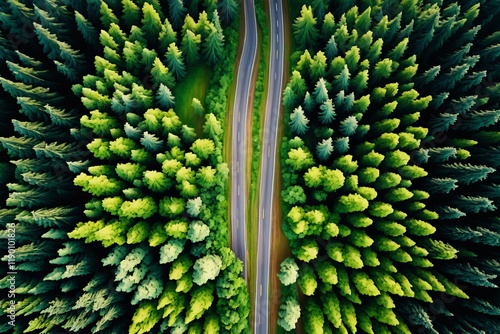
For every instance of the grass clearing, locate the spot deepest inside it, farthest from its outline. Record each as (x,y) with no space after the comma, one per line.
(194,85)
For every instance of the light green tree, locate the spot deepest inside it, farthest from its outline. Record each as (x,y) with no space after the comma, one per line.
(289,271)
(206,268)
(198,231)
(305,30)
(201,300)
(289,314)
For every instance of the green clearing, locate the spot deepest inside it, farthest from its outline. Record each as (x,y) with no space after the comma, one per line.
(194,85)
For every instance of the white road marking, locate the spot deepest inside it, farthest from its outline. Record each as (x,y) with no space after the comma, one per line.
(276,6)
(261,290)
(262,213)
(276,53)
(238,136)
(238,190)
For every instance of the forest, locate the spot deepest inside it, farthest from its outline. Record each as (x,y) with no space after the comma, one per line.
(113,192)
(390,181)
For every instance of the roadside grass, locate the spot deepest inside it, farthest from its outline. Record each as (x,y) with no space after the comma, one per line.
(194,85)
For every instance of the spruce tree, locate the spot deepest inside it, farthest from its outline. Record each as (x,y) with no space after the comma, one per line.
(175,61)
(305,27)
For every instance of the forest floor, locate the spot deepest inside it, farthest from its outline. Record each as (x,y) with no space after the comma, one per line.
(194,85)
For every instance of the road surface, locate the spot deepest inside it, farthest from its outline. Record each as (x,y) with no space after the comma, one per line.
(268,165)
(239,128)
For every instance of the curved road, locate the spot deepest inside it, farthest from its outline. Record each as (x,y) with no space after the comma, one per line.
(268,165)
(239,127)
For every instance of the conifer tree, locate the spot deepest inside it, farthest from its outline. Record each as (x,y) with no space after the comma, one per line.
(190,46)
(151,22)
(324,149)
(176,12)
(228,9)
(327,113)
(213,46)
(298,121)
(175,61)
(305,31)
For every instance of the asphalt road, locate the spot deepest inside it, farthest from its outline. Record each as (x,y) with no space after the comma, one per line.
(239,127)
(268,165)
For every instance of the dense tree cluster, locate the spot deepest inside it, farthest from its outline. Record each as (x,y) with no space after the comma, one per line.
(118,207)
(389,168)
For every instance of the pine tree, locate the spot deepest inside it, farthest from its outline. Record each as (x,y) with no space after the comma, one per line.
(328,27)
(327,113)
(466,173)
(165,97)
(160,74)
(341,145)
(309,103)
(470,274)
(151,22)
(297,83)
(331,49)
(175,61)
(87,30)
(107,15)
(177,12)
(167,35)
(320,91)
(131,12)
(324,149)
(298,121)
(305,30)
(318,66)
(228,10)
(213,46)
(289,97)
(198,107)
(473,204)
(190,46)
(348,126)
(212,126)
